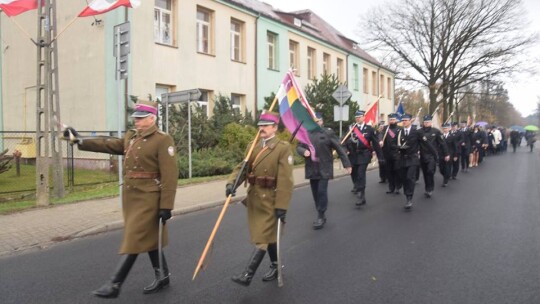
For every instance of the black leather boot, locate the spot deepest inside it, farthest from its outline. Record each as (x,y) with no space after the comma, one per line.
(160,281)
(245,277)
(112,289)
(361,198)
(271,274)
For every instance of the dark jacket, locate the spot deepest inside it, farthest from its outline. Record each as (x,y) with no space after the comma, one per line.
(434,136)
(410,145)
(452,143)
(390,146)
(324,141)
(363,151)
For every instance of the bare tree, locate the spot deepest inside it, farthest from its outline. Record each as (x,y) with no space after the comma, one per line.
(447,45)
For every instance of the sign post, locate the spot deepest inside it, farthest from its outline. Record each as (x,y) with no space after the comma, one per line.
(342,94)
(186,96)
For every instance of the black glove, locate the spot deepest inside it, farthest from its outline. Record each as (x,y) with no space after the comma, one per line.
(164,214)
(229,190)
(72,136)
(280,214)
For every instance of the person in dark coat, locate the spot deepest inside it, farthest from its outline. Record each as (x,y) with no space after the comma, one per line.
(465,146)
(364,142)
(150,181)
(382,166)
(445,167)
(410,140)
(390,148)
(319,172)
(514,139)
(351,153)
(428,159)
(457,137)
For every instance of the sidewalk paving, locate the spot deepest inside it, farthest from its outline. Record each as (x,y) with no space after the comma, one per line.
(40,228)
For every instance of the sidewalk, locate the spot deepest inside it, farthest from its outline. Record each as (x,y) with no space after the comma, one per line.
(41,228)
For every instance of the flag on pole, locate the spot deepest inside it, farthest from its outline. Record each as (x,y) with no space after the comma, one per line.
(400,110)
(416,121)
(295,110)
(371,114)
(98,7)
(16,7)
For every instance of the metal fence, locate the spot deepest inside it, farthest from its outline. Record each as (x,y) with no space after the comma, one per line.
(80,167)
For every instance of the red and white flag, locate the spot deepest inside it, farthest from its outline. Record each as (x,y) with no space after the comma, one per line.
(371,114)
(15,7)
(98,7)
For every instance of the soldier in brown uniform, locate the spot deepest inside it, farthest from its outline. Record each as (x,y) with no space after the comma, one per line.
(270,189)
(150,180)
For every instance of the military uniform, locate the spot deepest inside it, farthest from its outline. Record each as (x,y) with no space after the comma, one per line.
(428,159)
(390,149)
(270,187)
(364,142)
(269,174)
(445,167)
(150,181)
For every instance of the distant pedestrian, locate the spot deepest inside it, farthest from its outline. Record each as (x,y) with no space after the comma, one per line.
(150,181)
(270,190)
(321,171)
(514,139)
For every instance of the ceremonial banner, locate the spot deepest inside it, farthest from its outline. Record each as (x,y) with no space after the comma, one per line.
(16,7)
(98,7)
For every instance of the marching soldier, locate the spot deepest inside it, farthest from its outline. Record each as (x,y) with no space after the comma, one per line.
(445,167)
(150,180)
(269,193)
(428,158)
(410,141)
(465,146)
(457,137)
(324,141)
(382,166)
(390,149)
(363,142)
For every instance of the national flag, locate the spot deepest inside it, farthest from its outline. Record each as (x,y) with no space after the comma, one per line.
(400,110)
(98,7)
(371,114)
(16,7)
(294,109)
(469,120)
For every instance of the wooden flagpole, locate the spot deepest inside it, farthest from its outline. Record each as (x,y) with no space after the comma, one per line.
(226,204)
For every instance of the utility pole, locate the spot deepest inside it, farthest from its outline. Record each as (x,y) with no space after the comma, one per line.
(48,145)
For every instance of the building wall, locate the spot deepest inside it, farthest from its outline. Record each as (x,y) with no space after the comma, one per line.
(386,102)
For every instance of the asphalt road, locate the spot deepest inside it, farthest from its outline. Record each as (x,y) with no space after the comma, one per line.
(476,241)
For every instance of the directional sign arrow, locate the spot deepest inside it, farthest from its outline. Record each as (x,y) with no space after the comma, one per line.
(342,94)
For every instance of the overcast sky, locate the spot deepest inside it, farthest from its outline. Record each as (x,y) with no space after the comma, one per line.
(344,15)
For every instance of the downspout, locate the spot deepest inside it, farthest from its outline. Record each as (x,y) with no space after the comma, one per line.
(254,114)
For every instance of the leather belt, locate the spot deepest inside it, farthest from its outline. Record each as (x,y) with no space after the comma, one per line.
(142,175)
(263,181)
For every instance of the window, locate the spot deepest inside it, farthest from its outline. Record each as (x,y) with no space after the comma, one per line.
(204,101)
(163,22)
(293,57)
(311,63)
(381,86)
(237,40)
(205,30)
(326,63)
(237,102)
(389,88)
(374,83)
(271,39)
(366,81)
(339,69)
(355,77)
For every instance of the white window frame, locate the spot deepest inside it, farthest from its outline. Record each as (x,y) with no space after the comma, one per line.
(294,61)
(237,40)
(204,31)
(366,80)
(339,69)
(355,77)
(326,63)
(163,31)
(312,62)
(272,41)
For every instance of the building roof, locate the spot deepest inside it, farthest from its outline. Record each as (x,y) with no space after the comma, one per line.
(309,23)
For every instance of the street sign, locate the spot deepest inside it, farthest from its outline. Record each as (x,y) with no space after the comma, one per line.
(122,31)
(342,94)
(341,113)
(181,96)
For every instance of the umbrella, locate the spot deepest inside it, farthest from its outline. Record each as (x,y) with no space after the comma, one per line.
(482,123)
(531,128)
(520,129)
